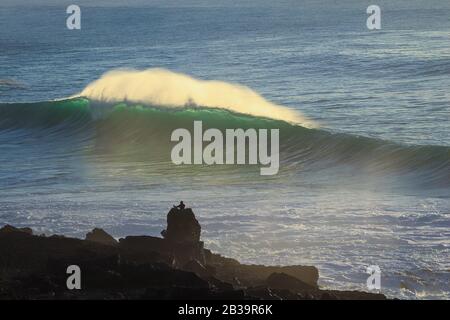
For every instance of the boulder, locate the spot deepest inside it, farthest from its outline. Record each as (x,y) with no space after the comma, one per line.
(8,229)
(283,281)
(182,237)
(21,252)
(182,226)
(145,249)
(100,236)
(256,275)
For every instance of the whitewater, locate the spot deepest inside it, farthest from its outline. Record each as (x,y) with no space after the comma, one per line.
(165,88)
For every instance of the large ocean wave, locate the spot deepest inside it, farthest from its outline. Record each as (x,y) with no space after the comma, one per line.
(130,129)
(166,88)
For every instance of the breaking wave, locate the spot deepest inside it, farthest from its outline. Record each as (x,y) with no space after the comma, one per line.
(165,88)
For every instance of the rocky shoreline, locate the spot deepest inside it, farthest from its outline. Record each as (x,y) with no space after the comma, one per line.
(176,266)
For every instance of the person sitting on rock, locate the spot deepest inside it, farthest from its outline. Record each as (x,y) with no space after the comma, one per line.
(181,206)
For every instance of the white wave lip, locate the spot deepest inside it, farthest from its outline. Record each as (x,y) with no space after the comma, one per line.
(171,89)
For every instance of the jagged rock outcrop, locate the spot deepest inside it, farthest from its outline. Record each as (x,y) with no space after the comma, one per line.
(8,229)
(100,236)
(145,249)
(144,267)
(183,237)
(230,270)
(182,226)
(180,243)
(22,252)
(283,281)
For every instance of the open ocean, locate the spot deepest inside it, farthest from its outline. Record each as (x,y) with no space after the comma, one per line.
(369,185)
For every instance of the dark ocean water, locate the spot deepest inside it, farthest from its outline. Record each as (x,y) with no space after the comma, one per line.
(369,186)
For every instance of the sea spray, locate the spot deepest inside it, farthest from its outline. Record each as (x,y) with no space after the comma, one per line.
(166,88)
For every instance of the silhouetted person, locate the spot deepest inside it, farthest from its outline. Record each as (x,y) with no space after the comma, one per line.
(181,206)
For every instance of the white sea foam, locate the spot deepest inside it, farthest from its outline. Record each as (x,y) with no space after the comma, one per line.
(166,88)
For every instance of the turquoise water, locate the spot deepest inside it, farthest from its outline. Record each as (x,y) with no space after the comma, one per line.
(370,186)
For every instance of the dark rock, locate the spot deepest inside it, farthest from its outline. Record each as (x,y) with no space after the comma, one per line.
(27,253)
(220,285)
(144,250)
(217,259)
(100,236)
(151,249)
(185,252)
(143,243)
(38,283)
(178,293)
(260,293)
(328,296)
(159,276)
(196,267)
(182,226)
(284,281)
(8,229)
(349,295)
(265,293)
(144,267)
(255,275)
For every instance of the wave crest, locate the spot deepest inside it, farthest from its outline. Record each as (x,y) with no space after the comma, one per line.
(166,88)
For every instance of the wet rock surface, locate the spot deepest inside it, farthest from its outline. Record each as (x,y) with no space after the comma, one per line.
(176,266)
